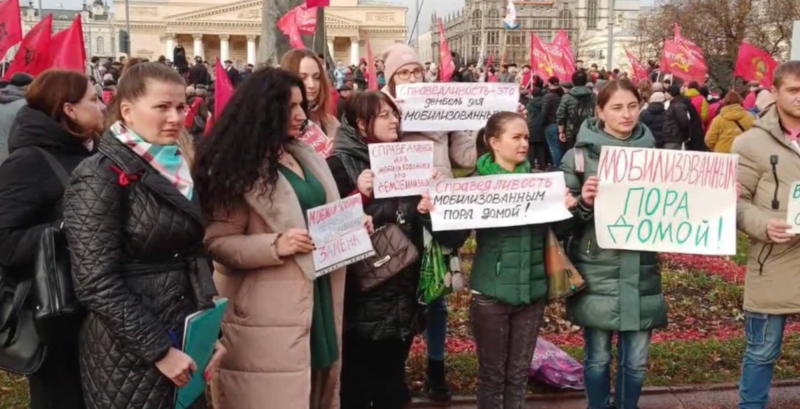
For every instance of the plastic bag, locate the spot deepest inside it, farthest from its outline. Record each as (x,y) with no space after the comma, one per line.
(552,366)
(434,278)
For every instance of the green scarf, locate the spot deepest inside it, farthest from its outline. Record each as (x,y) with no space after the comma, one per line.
(487,166)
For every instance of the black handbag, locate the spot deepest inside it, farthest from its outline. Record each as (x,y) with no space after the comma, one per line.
(21,352)
(56,307)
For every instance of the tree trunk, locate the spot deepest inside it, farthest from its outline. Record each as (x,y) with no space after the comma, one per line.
(274,43)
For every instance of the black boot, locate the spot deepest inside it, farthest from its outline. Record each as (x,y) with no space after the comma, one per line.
(436,386)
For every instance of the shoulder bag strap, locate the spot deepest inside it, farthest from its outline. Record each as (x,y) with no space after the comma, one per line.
(740,126)
(580,161)
(53,163)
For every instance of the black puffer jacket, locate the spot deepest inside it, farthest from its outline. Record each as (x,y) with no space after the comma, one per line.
(136,265)
(391,310)
(536,116)
(552,98)
(653,118)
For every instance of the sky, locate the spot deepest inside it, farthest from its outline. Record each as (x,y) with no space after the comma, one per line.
(428,7)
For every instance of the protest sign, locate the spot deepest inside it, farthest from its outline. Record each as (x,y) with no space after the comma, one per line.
(498,201)
(339,235)
(453,106)
(401,169)
(666,201)
(314,137)
(793,210)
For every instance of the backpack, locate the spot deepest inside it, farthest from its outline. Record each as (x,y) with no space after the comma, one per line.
(584,110)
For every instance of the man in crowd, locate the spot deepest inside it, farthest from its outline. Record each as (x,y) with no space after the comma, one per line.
(198,74)
(769,152)
(233,73)
(12,98)
(575,107)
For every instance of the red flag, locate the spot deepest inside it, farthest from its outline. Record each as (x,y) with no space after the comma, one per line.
(447,66)
(680,61)
(31,58)
(223,89)
(372,75)
(639,72)
(694,50)
(490,61)
(66,50)
(561,41)
(318,3)
(10,25)
(299,20)
(755,64)
(548,60)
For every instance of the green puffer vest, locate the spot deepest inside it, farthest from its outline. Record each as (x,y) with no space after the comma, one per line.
(623,288)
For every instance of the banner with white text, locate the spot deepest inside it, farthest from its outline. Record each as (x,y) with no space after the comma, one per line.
(401,168)
(498,201)
(339,235)
(666,201)
(454,106)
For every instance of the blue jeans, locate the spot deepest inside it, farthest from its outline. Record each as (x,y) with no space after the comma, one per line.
(551,136)
(764,335)
(632,352)
(437,329)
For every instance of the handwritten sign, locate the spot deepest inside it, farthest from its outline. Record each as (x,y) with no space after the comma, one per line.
(666,201)
(793,210)
(498,201)
(453,106)
(338,232)
(315,138)
(401,169)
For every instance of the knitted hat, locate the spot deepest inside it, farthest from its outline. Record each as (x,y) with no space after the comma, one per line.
(658,87)
(397,56)
(657,97)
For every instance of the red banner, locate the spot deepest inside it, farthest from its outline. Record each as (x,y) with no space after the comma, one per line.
(548,60)
(10,25)
(32,58)
(446,65)
(681,62)
(299,20)
(372,74)
(318,3)
(223,89)
(755,64)
(66,50)
(639,72)
(695,51)
(562,42)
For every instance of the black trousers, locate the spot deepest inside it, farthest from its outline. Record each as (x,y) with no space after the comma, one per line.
(539,155)
(57,384)
(374,373)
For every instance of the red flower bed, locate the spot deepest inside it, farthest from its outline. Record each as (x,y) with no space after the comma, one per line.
(725,269)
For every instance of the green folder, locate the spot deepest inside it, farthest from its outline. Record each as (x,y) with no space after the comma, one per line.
(199,338)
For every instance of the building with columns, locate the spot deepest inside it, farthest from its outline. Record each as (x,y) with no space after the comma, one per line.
(231,30)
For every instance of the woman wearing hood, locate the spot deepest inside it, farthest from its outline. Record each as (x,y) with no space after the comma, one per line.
(380,323)
(623,288)
(732,121)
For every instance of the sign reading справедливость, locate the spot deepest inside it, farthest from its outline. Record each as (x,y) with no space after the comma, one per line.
(339,235)
(666,201)
(401,168)
(498,201)
(453,106)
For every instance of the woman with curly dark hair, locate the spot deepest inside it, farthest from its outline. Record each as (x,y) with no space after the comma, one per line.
(256,182)
(310,69)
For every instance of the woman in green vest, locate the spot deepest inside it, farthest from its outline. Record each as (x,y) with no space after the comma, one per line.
(508,279)
(623,288)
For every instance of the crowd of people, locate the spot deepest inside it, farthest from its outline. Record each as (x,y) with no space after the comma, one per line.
(162,212)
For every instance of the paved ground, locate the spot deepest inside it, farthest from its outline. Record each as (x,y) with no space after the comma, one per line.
(784,395)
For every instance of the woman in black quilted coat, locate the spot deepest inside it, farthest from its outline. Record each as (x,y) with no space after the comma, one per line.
(135,230)
(380,324)
(63,118)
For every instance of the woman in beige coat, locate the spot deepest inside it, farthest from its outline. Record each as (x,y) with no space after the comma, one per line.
(283,325)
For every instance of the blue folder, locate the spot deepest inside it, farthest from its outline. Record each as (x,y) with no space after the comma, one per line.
(199,338)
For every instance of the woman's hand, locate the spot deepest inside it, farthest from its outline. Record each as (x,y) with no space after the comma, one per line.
(177,366)
(589,190)
(522,110)
(437,175)
(364,182)
(425,206)
(368,224)
(294,241)
(570,201)
(216,359)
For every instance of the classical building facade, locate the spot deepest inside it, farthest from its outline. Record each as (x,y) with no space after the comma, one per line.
(231,30)
(481,22)
(99,34)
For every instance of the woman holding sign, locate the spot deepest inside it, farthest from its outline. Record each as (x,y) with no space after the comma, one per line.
(623,288)
(256,181)
(508,281)
(381,322)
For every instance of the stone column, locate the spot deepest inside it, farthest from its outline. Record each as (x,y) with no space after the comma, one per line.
(224,47)
(331,48)
(198,45)
(354,52)
(251,49)
(170,47)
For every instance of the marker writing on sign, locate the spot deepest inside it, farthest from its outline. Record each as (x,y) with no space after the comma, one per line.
(660,166)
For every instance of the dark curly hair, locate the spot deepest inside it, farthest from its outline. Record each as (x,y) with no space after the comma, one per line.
(246,141)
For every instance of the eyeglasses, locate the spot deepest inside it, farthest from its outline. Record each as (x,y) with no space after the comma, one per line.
(406,74)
